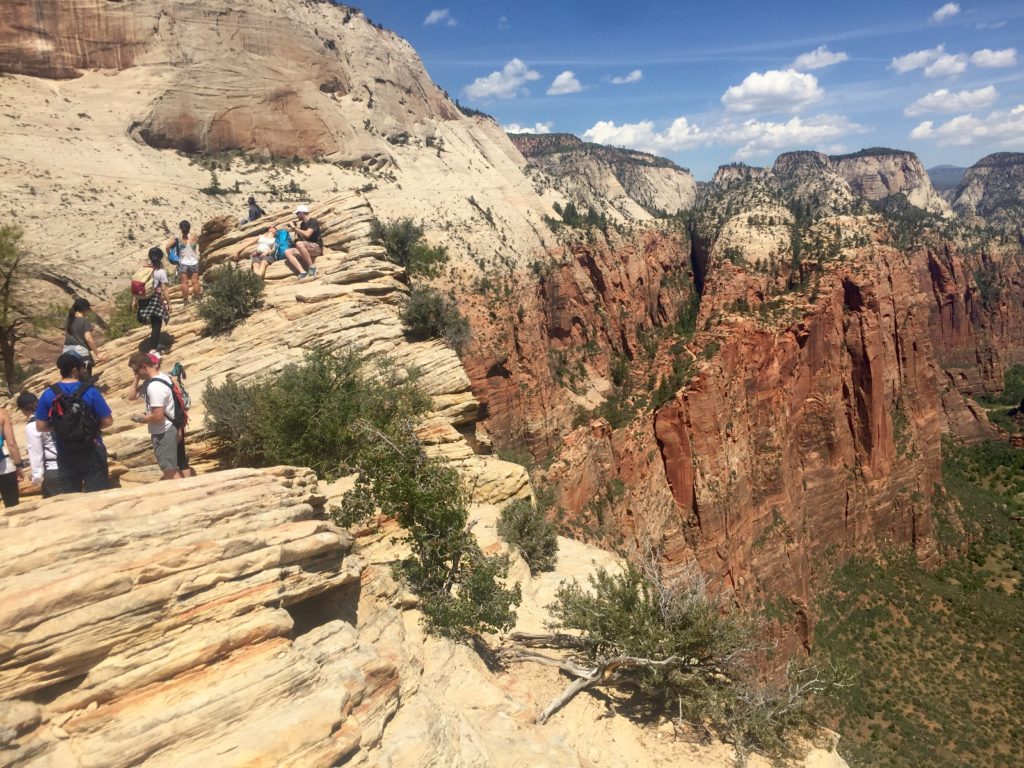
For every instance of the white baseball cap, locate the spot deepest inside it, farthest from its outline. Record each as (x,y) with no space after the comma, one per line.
(302,209)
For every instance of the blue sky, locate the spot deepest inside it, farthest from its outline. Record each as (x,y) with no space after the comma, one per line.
(711,83)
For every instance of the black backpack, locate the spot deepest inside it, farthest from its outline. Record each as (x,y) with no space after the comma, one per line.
(180,418)
(73,422)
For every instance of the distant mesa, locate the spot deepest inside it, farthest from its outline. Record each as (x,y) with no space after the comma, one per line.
(946,177)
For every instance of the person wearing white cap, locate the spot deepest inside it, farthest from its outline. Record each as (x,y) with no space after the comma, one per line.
(309,244)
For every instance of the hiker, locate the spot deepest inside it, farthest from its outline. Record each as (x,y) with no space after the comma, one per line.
(308,242)
(184,253)
(255,212)
(265,253)
(78,335)
(165,414)
(148,286)
(75,412)
(11,464)
(42,452)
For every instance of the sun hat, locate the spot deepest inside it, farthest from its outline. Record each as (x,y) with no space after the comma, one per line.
(302,209)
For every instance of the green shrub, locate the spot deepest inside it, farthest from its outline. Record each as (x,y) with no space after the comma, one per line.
(329,414)
(230,295)
(122,319)
(429,315)
(526,529)
(681,652)
(403,244)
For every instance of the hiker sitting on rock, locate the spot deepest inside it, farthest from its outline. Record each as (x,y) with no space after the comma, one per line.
(78,335)
(165,414)
(75,412)
(42,451)
(184,252)
(255,212)
(11,464)
(309,243)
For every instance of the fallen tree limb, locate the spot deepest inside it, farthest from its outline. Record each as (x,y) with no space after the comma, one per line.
(600,674)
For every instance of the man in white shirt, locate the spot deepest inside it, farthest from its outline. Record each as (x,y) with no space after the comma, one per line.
(42,451)
(164,416)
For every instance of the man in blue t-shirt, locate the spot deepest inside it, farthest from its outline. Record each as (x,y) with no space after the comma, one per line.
(81,455)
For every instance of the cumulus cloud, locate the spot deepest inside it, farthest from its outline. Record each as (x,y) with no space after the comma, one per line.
(1007,57)
(943,100)
(635,76)
(948,11)
(506,84)
(535,128)
(818,58)
(503,22)
(680,135)
(755,137)
(917,59)
(564,83)
(944,66)
(761,138)
(773,91)
(1003,128)
(440,16)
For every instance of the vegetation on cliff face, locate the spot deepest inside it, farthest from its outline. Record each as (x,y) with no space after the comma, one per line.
(329,414)
(940,654)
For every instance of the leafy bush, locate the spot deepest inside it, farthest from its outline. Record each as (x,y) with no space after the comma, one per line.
(230,295)
(329,414)
(526,529)
(403,243)
(122,318)
(681,652)
(429,315)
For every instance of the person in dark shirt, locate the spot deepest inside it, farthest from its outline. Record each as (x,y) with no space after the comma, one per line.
(255,212)
(78,334)
(308,241)
(79,466)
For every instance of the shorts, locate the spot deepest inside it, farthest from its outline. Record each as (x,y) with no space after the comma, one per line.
(188,269)
(170,451)
(314,249)
(261,257)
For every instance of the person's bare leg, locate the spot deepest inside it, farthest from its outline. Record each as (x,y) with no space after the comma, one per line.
(184,288)
(306,253)
(300,251)
(197,287)
(294,255)
(171,474)
(291,257)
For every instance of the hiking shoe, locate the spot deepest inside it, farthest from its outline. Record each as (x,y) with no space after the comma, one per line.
(311,272)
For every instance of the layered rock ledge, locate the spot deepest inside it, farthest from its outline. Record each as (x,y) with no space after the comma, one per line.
(172,628)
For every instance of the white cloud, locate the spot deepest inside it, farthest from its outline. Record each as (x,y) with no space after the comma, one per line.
(680,135)
(773,91)
(535,128)
(922,131)
(564,83)
(754,137)
(503,22)
(818,58)
(506,84)
(1007,57)
(635,76)
(761,138)
(440,16)
(944,100)
(917,59)
(990,24)
(1001,128)
(947,65)
(948,11)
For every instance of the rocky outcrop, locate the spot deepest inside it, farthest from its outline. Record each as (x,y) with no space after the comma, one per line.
(239,78)
(623,182)
(137,626)
(993,189)
(878,172)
